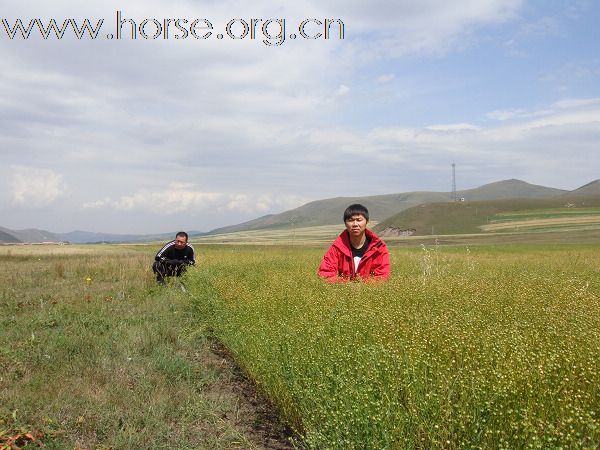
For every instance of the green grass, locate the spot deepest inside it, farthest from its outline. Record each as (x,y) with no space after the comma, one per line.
(545,214)
(94,355)
(471,216)
(485,347)
(301,235)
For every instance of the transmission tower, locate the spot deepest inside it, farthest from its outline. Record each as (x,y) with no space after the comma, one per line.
(453,182)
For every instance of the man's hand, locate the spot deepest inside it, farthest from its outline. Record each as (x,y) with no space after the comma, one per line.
(175,262)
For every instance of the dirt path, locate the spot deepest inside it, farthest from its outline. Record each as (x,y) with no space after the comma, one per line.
(252,415)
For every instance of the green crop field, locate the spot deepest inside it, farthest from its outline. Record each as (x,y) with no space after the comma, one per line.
(485,347)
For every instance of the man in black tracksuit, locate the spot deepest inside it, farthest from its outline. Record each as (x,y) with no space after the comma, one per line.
(173,258)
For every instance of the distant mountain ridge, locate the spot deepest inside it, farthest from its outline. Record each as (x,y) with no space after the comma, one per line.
(329,211)
(8,236)
(323,212)
(591,188)
(29,235)
(87,237)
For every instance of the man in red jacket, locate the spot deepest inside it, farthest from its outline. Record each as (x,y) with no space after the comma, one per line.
(357,253)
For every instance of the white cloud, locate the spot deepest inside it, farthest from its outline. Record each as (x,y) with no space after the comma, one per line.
(262,203)
(167,202)
(453,127)
(511,114)
(342,90)
(181,198)
(429,26)
(385,78)
(97,204)
(579,105)
(505,114)
(34,187)
(177,198)
(570,103)
(535,149)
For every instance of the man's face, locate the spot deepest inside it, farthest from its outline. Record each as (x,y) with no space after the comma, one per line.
(356,225)
(180,242)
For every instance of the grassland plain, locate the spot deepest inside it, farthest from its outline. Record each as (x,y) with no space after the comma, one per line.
(482,347)
(94,355)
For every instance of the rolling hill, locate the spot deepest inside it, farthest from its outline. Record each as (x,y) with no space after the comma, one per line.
(592,188)
(29,235)
(493,215)
(87,237)
(7,237)
(329,211)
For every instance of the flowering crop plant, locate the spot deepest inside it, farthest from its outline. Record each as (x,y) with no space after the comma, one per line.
(462,348)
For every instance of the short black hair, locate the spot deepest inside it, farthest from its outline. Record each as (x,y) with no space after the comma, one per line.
(355,209)
(182,233)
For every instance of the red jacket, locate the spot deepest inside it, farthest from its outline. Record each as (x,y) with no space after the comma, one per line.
(338,264)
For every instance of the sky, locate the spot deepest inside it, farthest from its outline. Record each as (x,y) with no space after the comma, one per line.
(170,131)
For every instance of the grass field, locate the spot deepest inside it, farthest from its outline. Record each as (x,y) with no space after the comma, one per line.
(546,213)
(486,347)
(301,235)
(94,355)
(545,220)
(467,346)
